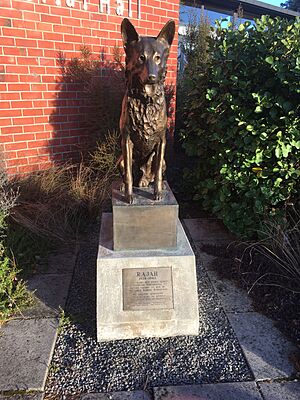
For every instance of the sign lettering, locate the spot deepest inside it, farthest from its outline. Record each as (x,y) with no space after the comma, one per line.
(105,6)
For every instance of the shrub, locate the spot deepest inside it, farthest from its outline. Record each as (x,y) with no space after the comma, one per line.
(244,134)
(13,293)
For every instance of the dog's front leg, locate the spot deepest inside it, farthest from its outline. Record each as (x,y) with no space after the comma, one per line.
(158,182)
(127,154)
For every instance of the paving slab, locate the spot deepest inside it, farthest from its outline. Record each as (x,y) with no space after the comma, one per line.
(219,391)
(280,391)
(208,230)
(60,262)
(232,298)
(135,395)
(50,294)
(29,396)
(26,348)
(266,349)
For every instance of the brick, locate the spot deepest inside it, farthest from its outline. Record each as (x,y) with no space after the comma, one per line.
(7,41)
(71,21)
(16,146)
(5,121)
(5,138)
(14,51)
(21,5)
(35,52)
(4,104)
(53,19)
(43,135)
(19,23)
(10,113)
(17,69)
(18,86)
(45,44)
(7,60)
(24,169)
(32,111)
(11,13)
(27,60)
(11,78)
(38,159)
(30,16)
(21,104)
(57,37)
(24,137)
(10,130)
(6,3)
(27,153)
(23,121)
(5,22)
(10,155)
(60,11)
(34,34)
(42,9)
(42,26)
(40,119)
(62,29)
(31,95)
(73,38)
(26,42)
(9,96)
(15,32)
(38,143)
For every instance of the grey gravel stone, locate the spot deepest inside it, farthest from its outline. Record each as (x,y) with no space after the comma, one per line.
(80,364)
(220,391)
(25,352)
(136,395)
(208,230)
(281,391)
(266,349)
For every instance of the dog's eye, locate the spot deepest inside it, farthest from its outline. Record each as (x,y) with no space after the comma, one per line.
(142,58)
(157,58)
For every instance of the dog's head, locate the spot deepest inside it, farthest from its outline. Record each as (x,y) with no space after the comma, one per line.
(146,57)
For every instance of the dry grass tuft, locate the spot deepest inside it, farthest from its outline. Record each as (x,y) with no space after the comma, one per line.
(59,202)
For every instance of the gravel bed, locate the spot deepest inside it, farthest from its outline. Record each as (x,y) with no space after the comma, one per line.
(80,364)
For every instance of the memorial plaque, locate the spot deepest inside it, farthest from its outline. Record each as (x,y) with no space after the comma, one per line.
(147,289)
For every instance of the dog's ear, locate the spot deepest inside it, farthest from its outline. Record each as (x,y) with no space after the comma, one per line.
(167,33)
(129,34)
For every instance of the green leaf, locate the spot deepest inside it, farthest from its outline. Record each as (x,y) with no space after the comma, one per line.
(269,60)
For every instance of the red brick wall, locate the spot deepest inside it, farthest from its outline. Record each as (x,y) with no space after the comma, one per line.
(40,115)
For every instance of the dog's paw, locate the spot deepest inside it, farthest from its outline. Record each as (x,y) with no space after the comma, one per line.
(143,183)
(157,195)
(122,187)
(129,198)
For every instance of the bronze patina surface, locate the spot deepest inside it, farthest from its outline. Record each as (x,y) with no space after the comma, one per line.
(146,224)
(143,119)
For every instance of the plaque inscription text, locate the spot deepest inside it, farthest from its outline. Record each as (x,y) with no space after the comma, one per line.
(147,289)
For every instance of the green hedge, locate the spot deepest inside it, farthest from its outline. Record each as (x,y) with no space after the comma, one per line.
(243,130)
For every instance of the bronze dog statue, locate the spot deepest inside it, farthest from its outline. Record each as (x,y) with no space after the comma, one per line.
(143,119)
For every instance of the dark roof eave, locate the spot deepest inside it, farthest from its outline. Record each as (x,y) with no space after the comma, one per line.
(251,8)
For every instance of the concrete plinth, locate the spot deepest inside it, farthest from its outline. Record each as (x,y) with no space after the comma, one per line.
(145,224)
(145,293)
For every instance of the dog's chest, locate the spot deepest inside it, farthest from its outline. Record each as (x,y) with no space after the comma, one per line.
(146,119)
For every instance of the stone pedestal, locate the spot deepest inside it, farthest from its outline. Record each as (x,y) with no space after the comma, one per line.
(145,224)
(145,293)
(146,273)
